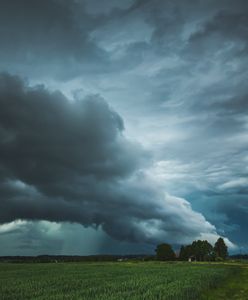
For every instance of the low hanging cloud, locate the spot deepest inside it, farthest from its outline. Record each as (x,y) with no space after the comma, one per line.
(69,161)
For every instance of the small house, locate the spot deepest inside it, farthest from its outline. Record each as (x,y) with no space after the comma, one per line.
(191,258)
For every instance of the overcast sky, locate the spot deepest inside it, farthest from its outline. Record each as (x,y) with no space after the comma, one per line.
(123,124)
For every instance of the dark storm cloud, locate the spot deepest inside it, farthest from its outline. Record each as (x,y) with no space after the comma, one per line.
(48,33)
(49,142)
(177,72)
(193,65)
(59,35)
(226,23)
(68,138)
(69,161)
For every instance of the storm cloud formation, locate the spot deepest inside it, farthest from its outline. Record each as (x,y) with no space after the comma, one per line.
(69,161)
(176,73)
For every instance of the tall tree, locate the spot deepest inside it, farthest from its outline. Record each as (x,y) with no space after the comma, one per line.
(185,252)
(165,252)
(202,250)
(220,248)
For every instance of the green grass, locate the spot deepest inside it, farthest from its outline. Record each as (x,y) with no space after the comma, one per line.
(109,281)
(234,288)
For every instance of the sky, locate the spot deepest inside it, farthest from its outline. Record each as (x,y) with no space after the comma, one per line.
(123,124)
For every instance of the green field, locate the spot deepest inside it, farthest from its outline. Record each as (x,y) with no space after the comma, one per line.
(125,280)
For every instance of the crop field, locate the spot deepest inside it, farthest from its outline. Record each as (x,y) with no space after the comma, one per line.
(109,281)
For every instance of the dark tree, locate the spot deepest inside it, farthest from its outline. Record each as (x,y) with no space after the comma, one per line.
(185,252)
(165,252)
(202,250)
(220,248)
(182,253)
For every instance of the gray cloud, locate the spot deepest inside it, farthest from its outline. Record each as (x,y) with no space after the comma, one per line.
(175,71)
(69,161)
(40,36)
(227,24)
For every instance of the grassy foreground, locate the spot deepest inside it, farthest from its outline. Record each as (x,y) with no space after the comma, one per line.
(108,281)
(234,288)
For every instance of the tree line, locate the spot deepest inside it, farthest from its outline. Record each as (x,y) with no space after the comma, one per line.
(197,251)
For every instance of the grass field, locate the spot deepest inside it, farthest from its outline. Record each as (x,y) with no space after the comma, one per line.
(234,288)
(108,281)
